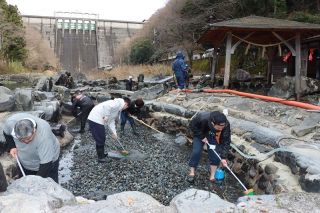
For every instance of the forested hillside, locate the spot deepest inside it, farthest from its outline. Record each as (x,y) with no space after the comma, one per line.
(12,42)
(181,22)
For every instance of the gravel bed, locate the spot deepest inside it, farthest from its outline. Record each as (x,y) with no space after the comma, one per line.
(156,166)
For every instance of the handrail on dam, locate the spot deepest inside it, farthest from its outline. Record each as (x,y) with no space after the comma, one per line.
(101,20)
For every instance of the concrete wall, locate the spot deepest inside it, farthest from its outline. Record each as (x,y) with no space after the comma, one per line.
(77,50)
(81,50)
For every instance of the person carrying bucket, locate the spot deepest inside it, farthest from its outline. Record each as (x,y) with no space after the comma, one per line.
(211,128)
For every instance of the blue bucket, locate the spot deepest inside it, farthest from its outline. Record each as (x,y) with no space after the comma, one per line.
(219,175)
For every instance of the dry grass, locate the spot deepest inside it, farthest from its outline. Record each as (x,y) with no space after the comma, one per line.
(123,72)
(39,51)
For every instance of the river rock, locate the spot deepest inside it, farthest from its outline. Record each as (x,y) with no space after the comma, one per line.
(130,201)
(35,194)
(23,99)
(193,200)
(270,169)
(6,99)
(51,109)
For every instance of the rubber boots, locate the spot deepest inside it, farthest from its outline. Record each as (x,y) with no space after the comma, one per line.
(134,130)
(102,158)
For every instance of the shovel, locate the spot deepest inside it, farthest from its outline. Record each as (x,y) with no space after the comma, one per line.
(247,191)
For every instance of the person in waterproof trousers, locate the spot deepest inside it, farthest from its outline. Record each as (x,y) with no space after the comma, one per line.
(85,104)
(133,109)
(105,113)
(31,140)
(179,69)
(212,128)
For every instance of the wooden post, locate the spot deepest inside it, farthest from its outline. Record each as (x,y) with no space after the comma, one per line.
(270,56)
(298,67)
(213,65)
(228,61)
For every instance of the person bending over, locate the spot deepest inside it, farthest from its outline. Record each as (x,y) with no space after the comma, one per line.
(212,128)
(105,113)
(31,140)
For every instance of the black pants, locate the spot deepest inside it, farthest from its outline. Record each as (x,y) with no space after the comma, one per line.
(3,180)
(53,173)
(84,116)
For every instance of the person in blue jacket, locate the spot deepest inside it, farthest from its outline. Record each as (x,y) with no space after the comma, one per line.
(179,68)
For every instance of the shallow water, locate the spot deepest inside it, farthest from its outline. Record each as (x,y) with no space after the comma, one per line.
(66,161)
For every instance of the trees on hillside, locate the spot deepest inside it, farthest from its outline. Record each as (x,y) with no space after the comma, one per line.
(12,43)
(180,23)
(141,51)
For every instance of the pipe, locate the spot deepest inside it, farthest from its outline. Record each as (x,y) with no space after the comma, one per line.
(261,97)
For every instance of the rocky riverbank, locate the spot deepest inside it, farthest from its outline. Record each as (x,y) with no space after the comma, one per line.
(156,166)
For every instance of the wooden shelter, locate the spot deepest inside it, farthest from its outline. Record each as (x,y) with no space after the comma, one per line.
(262,32)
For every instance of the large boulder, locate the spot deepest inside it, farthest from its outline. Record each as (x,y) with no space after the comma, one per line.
(34,194)
(51,109)
(150,93)
(23,99)
(193,200)
(130,201)
(6,99)
(285,87)
(286,202)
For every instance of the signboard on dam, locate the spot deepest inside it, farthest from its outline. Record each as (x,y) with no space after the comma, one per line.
(83,44)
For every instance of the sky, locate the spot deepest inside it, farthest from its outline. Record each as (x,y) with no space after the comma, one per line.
(128,10)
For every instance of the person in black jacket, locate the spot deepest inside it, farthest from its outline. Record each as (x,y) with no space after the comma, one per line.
(212,128)
(133,109)
(85,104)
(129,83)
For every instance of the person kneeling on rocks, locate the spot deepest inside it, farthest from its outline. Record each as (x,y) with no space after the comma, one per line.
(85,104)
(212,128)
(133,109)
(32,142)
(105,113)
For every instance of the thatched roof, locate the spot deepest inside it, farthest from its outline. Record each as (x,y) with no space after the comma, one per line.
(262,28)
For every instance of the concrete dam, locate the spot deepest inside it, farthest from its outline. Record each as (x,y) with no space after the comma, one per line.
(83,44)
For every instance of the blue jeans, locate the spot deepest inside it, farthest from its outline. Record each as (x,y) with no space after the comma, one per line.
(124,117)
(197,147)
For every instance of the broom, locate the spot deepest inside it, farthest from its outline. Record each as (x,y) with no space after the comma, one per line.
(123,152)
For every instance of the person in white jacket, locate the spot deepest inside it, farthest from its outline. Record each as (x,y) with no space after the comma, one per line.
(105,113)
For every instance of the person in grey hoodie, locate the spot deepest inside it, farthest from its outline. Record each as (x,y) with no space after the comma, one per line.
(105,113)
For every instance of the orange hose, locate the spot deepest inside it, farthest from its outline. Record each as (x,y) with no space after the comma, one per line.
(266,98)
(261,97)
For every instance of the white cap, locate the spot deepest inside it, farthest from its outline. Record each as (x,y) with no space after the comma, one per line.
(130,76)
